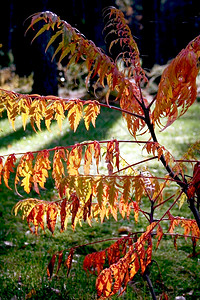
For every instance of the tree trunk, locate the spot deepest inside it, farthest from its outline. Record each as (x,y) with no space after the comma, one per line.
(151,33)
(32,58)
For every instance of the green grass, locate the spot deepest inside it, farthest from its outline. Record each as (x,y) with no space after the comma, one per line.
(24,257)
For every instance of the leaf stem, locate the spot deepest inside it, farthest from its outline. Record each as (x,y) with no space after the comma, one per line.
(164,201)
(135,164)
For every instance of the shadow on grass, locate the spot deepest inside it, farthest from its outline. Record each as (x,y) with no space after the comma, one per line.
(9,198)
(104,122)
(29,258)
(15,136)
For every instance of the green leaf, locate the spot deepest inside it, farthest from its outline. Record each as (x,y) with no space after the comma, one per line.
(43,29)
(53,38)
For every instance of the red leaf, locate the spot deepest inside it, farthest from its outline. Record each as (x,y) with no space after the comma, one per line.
(87,208)
(51,266)
(63,214)
(1,168)
(194,186)
(74,208)
(60,259)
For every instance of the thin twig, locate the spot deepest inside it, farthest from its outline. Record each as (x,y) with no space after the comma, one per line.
(150,104)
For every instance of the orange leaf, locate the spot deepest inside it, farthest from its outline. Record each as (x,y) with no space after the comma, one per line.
(149,251)
(134,265)
(139,188)
(94,262)
(116,250)
(109,157)
(68,262)
(126,189)
(40,172)
(52,212)
(124,208)
(159,235)
(8,167)
(58,168)
(104,283)
(112,191)
(59,112)
(136,210)
(189,225)
(128,102)
(194,186)
(177,86)
(36,216)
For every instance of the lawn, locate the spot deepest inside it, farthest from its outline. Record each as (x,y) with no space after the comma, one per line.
(24,257)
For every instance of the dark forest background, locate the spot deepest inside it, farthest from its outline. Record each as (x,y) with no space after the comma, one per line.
(160,27)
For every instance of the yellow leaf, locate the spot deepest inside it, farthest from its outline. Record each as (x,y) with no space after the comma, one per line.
(25,169)
(91,112)
(74,113)
(74,160)
(58,168)
(25,206)
(88,159)
(59,115)
(139,188)
(41,167)
(26,182)
(182,199)
(83,187)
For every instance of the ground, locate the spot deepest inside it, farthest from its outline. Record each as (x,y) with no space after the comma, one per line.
(24,257)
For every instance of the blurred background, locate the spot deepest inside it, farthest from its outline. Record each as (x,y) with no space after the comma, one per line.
(161,29)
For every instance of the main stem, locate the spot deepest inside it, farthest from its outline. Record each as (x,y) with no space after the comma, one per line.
(182,183)
(146,276)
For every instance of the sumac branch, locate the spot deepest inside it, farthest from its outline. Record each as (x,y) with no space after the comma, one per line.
(87,193)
